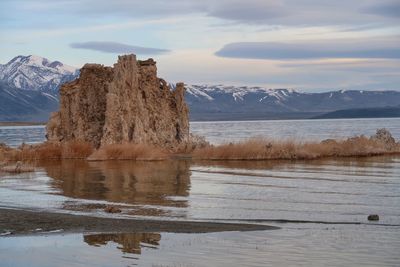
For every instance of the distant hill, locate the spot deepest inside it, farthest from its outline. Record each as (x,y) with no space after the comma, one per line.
(220,102)
(385,112)
(36,73)
(25,105)
(29,87)
(29,92)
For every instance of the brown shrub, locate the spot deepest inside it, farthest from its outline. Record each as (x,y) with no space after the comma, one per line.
(76,150)
(3,152)
(2,156)
(44,151)
(49,151)
(355,146)
(385,137)
(254,148)
(260,148)
(128,151)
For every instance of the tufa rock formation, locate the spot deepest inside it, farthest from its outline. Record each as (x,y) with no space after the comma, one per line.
(124,104)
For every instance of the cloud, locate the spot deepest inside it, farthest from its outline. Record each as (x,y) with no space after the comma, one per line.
(271,12)
(305,12)
(367,66)
(389,9)
(114,47)
(312,50)
(253,11)
(127,8)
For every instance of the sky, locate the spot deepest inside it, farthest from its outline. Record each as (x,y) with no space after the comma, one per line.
(309,45)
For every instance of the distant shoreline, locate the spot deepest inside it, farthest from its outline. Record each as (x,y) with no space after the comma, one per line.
(16,123)
(22,123)
(289,119)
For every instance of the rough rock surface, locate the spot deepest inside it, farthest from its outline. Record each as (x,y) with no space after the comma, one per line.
(373,217)
(124,104)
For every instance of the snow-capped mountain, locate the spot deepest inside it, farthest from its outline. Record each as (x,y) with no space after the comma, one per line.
(237,93)
(29,92)
(35,73)
(29,87)
(220,102)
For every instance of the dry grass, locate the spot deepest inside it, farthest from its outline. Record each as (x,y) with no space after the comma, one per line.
(128,152)
(76,150)
(81,150)
(261,149)
(47,151)
(252,149)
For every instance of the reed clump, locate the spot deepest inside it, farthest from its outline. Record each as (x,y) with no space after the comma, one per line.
(381,143)
(76,150)
(47,151)
(3,148)
(263,149)
(80,150)
(128,151)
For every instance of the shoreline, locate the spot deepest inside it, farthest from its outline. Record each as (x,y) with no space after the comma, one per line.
(198,148)
(24,123)
(26,222)
(16,123)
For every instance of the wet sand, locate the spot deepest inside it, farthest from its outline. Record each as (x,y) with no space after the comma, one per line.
(23,222)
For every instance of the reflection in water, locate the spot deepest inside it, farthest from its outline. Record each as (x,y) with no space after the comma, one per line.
(123,181)
(330,190)
(130,242)
(294,245)
(361,164)
(345,190)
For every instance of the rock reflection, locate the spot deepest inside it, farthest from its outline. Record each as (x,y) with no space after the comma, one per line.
(130,242)
(140,183)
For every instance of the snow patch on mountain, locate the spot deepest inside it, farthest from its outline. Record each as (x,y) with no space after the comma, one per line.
(35,73)
(238,94)
(197,92)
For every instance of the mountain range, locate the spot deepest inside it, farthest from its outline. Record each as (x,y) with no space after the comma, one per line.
(29,87)
(384,112)
(221,102)
(29,92)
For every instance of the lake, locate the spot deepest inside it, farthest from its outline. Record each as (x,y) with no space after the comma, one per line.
(321,206)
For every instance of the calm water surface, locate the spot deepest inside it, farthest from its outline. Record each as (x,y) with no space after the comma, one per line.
(331,198)
(291,246)
(220,132)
